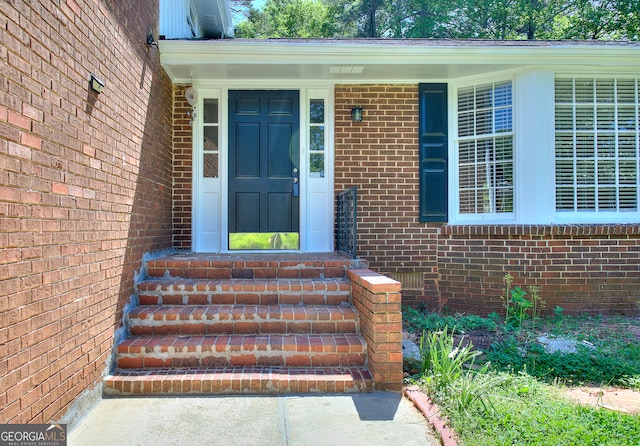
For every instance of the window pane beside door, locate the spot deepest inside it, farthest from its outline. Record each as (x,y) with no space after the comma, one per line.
(210,152)
(316,138)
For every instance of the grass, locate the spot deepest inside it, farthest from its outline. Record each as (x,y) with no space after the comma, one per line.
(264,240)
(510,395)
(526,411)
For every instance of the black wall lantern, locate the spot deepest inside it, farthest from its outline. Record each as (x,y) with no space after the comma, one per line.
(96,84)
(151,41)
(356,114)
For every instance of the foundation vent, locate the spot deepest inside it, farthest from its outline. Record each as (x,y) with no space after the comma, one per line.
(410,280)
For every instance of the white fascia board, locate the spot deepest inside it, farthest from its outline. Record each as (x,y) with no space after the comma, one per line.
(386,59)
(236,51)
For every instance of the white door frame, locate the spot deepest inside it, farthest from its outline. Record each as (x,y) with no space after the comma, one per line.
(209,229)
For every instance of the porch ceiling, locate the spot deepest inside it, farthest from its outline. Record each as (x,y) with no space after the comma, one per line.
(379,60)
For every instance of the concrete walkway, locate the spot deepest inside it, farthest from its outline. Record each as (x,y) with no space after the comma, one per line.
(379,418)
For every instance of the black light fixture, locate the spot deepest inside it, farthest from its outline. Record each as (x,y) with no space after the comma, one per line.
(96,84)
(151,41)
(356,114)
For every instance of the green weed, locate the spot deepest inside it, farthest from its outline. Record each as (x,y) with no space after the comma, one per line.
(449,370)
(517,307)
(417,321)
(527,412)
(516,400)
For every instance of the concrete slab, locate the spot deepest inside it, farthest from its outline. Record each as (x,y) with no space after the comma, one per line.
(379,418)
(373,419)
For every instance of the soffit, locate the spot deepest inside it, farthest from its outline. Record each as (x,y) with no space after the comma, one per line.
(376,60)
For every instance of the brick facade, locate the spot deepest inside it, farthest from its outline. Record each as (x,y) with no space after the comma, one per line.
(85,191)
(582,268)
(379,156)
(594,269)
(182,168)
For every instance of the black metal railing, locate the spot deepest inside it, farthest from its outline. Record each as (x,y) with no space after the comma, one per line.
(346,221)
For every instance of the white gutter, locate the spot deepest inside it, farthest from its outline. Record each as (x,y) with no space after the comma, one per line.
(394,52)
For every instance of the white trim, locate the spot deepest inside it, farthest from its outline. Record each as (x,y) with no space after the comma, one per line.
(455,217)
(200,186)
(596,216)
(221,92)
(534,152)
(382,60)
(317,217)
(534,159)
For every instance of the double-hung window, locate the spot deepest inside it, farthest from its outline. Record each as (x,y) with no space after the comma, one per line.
(596,146)
(485,150)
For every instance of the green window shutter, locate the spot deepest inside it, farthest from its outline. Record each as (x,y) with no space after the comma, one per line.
(433,153)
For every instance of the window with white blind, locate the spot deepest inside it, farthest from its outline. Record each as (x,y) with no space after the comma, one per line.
(485,145)
(596,144)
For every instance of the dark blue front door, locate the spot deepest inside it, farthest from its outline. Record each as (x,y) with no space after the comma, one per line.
(264,161)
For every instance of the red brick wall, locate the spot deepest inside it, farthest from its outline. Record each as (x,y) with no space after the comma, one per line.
(85,190)
(583,269)
(379,156)
(182,167)
(593,269)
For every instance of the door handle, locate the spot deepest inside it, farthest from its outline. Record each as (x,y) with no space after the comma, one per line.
(296,183)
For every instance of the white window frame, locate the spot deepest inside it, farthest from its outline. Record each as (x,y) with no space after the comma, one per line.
(456,217)
(597,215)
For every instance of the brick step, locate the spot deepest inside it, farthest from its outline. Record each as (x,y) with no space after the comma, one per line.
(256,380)
(244,292)
(252,266)
(241,319)
(291,350)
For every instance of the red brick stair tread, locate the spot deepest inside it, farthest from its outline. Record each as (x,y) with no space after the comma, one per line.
(291,350)
(221,285)
(241,319)
(242,312)
(245,292)
(342,343)
(258,380)
(251,266)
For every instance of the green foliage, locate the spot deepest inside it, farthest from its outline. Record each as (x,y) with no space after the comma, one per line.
(289,18)
(517,307)
(613,359)
(256,240)
(613,365)
(520,404)
(449,370)
(527,412)
(482,19)
(441,363)
(417,321)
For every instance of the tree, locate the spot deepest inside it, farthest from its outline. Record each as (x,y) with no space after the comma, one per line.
(289,18)
(455,19)
(601,19)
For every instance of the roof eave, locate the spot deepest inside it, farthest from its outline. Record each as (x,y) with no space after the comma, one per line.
(395,52)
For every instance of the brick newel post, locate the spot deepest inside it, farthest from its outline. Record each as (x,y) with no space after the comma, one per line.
(378,301)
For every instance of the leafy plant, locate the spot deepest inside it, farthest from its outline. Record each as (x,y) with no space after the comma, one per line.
(615,366)
(517,307)
(449,369)
(471,390)
(442,363)
(417,321)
